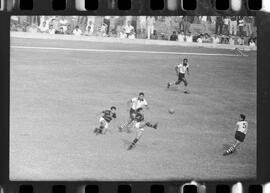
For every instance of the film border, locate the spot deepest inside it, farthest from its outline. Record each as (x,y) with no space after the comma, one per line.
(263,103)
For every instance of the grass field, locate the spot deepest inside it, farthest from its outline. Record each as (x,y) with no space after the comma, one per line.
(55,96)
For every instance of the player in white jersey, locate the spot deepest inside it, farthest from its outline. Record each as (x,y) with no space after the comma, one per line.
(240,134)
(181,70)
(134,104)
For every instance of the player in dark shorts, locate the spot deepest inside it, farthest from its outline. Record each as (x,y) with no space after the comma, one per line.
(134,104)
(181,71)
(104,120)
(240,134)
(140,123)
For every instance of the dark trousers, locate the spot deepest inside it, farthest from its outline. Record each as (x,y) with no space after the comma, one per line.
(241,30)
(219,28)
(107,22)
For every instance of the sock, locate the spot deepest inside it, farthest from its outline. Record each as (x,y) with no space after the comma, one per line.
(135,141)
(148,124)
(231,149)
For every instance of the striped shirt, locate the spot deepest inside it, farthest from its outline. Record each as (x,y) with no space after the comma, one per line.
(139,117)
(108,115)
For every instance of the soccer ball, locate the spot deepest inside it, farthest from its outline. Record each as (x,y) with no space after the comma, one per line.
(171,111)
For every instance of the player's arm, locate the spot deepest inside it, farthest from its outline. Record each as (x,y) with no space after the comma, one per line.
(100,113)
(146,105)
(236,127)
(188,71)
(176,69)
(129,104)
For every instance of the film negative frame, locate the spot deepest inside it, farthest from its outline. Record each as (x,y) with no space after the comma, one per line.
(141,7)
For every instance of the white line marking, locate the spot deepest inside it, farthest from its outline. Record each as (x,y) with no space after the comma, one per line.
(122,51)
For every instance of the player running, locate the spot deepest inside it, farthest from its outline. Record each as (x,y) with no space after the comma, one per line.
(134,104)
(181,70)
(104,120)
(240,134)
(139,125)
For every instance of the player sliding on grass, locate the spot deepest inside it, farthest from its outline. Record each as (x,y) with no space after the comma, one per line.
(240,134)
(181,71)
(104,120)
(139,125)
(134,104)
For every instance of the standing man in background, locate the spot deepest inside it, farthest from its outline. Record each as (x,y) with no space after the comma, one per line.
(219,25)
(233,25)
(150,21)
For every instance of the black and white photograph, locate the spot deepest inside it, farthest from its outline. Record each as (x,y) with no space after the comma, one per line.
(133,98)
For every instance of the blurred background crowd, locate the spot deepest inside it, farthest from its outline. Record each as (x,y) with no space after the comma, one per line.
(234,30)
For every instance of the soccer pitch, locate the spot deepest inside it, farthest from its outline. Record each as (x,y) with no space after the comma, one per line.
(55,95)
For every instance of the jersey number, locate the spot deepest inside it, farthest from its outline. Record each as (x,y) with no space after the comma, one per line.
(244,126)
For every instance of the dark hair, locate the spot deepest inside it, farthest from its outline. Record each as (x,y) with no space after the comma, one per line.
(185,59)
(141,93)
(76,26)
(243,117)
(113,107)
(139,109)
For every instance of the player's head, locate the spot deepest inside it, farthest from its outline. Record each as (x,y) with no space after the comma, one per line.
(139,110)
(141,95)
(242,117)
(113,108)
(185,61)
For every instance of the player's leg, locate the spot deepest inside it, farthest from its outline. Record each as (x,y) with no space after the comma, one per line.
(232,148)
(148,124)
(139,133)
(175,82)
(105,128)
(130,120)
(102,123)
(140,130)
(239,137)
(185,85)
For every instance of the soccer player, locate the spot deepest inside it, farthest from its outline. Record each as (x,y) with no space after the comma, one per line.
(240,134)
(104,120)
(139,125)
(181,71)
(134,104)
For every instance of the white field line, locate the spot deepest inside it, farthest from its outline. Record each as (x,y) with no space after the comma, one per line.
(122,51)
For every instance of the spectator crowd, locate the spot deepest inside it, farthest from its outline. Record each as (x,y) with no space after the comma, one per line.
(234,30)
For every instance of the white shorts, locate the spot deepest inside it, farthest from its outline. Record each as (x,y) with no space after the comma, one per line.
(103,122)
(137,126)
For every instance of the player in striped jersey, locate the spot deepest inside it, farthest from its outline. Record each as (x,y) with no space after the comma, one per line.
(105,119)
(134,104)
(240,134)
(139,125)
(181,70)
